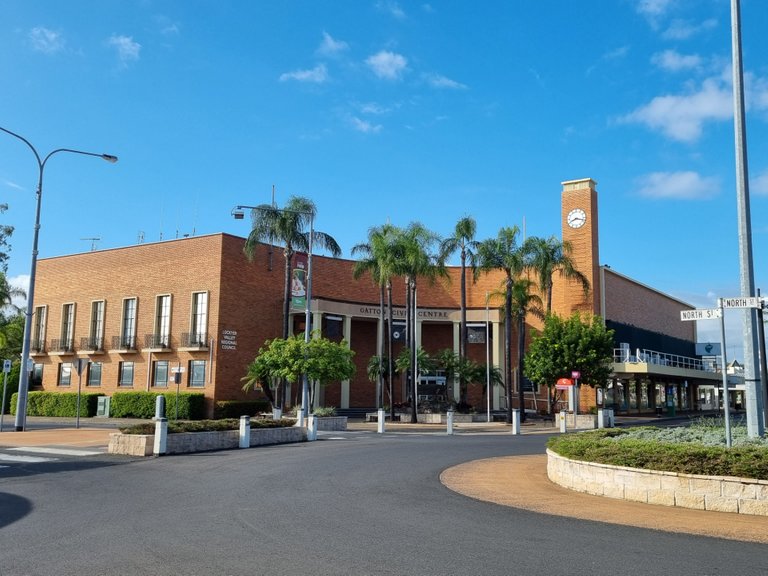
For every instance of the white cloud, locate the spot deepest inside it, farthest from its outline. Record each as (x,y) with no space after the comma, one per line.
(373,108)
(653,7)
(759,185)
(364,126)
(45,40)
(682,117)
(685,185)
(21,281)
(392,8)
(316,75)
(438,81)
(387,65)
(127,49)
(13,185)
(675,62)
(331,47)
(682,29)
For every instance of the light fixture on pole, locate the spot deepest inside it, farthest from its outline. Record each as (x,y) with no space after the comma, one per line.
(238,213)
(21,405)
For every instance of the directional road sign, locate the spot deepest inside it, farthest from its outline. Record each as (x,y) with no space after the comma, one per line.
(741,302)
(700,314)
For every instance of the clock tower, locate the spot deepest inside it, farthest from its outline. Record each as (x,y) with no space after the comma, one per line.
(579,228)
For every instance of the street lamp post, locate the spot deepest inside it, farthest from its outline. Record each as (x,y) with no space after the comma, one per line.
(21,406)
(238,214)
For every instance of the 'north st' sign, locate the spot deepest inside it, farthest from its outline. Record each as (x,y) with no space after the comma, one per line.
(742,302)
(700,314)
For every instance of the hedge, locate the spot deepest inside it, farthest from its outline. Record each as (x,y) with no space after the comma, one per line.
(237,408)
(61,404)
(11,387)
(142,405)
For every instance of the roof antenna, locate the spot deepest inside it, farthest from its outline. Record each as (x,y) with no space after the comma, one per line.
(93,242)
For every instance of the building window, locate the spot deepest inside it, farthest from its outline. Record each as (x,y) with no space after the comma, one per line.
(160,373)
(96,334)
(196,373)
(333,327)
(36,379)
(38,330)
(126,374)
(128,332)
(65,374)
(67,326)
(163,321)
(94,374)
(199,327)
(476,333)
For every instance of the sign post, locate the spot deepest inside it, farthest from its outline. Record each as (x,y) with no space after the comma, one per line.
(712,314)
(6,369)
(78,365)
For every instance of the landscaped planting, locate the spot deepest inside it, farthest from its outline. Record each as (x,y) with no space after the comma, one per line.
(698,449)
(180,426)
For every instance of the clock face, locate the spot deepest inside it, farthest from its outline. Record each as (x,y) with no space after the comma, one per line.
(576,218)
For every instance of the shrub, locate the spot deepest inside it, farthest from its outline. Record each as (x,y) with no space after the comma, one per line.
(142,405)
(636,448)
(324,411)
(180,426)
(58,404)
(237,408)
(11,387)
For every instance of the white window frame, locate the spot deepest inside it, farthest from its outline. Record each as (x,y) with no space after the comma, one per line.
(128,331)
(198,324)
(38,332)
(163,312)
(96,325)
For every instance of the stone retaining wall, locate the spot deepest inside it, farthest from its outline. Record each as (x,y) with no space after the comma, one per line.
(188,442)
(332,423)
(716,493)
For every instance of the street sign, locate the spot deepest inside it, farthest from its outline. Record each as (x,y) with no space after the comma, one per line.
(700,314)
(741,302)
(575,374)
(178,370)
(564,384)
(6,366)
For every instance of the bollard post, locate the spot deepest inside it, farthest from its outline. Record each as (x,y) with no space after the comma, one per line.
(245,432)
(611,422)
(515,421)
(161,436)
(601,418)
(311,428)
(562,421)
(381,419)
(277,414)
(159,407)
(449,422)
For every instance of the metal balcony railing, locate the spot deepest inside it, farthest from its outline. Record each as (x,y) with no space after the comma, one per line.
(37,346)
(645,356)
(157,341)
(194,339)
(124,342)
(92,343)
(62,345)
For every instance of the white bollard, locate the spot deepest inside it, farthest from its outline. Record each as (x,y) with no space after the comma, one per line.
(381,420)
(277,414)
(449,422)
(515,421)
(311,428)
(562,421)
(601,418)
(245,432)
(159,407)
(161,437)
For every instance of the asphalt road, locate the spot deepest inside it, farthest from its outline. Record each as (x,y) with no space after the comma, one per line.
(354,503)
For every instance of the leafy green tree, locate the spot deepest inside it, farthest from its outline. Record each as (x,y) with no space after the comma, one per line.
(8,293)
(288,359)
(11,335)
(287,226)
(503,253)
(581,343)
(545,256)
(463,240)
(376,259)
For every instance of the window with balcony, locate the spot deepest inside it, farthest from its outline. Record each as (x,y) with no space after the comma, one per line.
(162,335)
(128,330)
(199,327)
(125,378)
(65,343)
(38,329)
(96,332)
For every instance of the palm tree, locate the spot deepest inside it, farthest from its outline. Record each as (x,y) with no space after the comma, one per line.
(287,226)
(463,239)
(413,256)
(503,253)
(524,301)
(547,256)
(377,261)
(8,293)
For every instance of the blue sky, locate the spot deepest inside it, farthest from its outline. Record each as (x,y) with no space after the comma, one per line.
(381,110)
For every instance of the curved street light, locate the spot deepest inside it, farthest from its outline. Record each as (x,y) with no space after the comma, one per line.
(21,407)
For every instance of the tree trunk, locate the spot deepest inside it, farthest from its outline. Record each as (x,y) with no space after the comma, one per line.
(412,349)
(380,351)
(280,396)
(507,344)
(520,353)
(389,351)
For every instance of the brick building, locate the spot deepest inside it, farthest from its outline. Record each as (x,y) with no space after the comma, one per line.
(197,304)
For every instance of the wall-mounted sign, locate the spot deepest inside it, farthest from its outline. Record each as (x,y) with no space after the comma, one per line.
(229,339)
